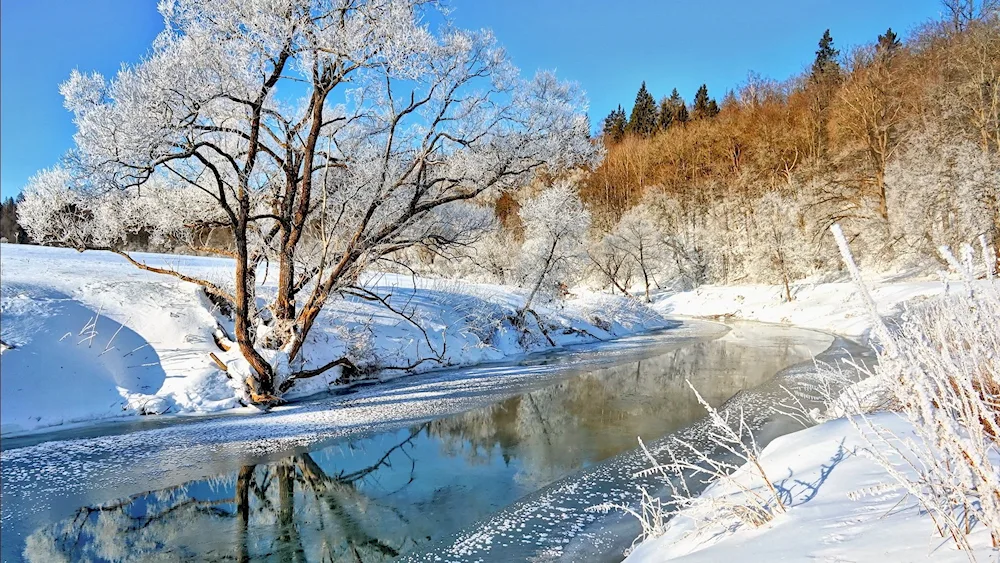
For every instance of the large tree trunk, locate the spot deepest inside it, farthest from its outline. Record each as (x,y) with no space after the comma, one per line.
(246,278)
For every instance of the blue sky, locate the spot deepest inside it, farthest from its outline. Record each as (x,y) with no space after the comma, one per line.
(608,47)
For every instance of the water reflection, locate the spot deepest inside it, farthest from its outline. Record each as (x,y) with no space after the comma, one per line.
(375,498)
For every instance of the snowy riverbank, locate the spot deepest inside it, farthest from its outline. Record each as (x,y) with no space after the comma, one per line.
(840,504)
(818,470)
(95,338)
(830,307)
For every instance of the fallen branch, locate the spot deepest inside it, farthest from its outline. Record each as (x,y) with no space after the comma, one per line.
(222,339)
(347,364)
(541,327)
(219,362)
(209,286)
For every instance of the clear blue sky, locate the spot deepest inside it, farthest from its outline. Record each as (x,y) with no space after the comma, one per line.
(609,47)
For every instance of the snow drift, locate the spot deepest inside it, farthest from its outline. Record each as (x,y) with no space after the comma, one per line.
(93,337)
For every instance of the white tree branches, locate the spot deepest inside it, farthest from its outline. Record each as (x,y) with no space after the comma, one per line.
(320,135)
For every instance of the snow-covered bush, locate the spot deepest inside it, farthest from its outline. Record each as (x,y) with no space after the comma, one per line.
(942,369)
(556,225)
(730,455)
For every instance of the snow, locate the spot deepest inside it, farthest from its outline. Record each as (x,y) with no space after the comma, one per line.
(95,338)
(831,307)
(822,469)
(818,469)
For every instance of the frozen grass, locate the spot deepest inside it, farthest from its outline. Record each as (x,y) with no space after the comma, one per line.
(917,459)
(730,455)
(942,370)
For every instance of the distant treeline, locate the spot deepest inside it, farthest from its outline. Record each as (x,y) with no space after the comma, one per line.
(896,140)
(10,230)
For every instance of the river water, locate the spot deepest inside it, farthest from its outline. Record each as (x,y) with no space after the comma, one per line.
(492,463)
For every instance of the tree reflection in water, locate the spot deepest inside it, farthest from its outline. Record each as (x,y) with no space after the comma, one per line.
(375,498)
(288,510)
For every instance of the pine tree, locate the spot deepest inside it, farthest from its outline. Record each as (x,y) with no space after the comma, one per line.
(614,125)
(888,44)
(704,107)
(682,114)
(666,113)
(824,78)
(643,121)
(826,64)
(713,108)
(679,107)
(10,229)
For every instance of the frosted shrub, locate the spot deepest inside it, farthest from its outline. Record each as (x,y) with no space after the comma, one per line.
(730,455)
(556,225)
(942,368)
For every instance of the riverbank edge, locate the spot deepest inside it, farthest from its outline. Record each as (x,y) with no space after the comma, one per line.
(837,309)
(149,350)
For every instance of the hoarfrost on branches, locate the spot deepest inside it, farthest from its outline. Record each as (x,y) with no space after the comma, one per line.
(318,135)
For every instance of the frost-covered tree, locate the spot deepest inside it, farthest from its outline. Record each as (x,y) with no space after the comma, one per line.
(556,224)
(320,134)
(780,247)
(638,238)
(944,191)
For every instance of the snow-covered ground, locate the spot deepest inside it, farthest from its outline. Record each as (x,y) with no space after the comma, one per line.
(94,337)
(817,470)
(820,470)
(831,307)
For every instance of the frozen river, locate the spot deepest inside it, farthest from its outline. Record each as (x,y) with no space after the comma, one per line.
(491,463)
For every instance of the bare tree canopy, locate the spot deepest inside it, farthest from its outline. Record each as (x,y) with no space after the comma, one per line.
(320,134)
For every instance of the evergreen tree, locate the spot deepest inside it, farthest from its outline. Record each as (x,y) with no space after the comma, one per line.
(666,113)
(679,107)
(643,121)
(704,107)
(826,64)
(682,114)
(713,108)
(887,44)
(614,125)
(10,229)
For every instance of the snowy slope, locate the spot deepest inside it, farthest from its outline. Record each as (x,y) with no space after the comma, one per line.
(818,469)
(833,307)
(96,338)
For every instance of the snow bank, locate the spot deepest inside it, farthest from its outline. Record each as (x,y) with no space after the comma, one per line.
(817,470)
(95,338)
(832,307)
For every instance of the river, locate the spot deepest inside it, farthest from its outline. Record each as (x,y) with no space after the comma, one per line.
(490,463)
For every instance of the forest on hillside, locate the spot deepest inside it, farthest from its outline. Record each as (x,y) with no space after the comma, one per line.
(897,140)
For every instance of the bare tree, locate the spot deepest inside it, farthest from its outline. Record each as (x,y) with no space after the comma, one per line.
(963,12)
(872,105)
(556,225)
(396,126)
